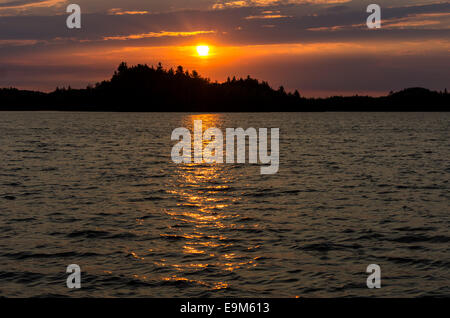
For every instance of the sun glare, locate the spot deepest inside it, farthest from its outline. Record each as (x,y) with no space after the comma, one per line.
(203,50)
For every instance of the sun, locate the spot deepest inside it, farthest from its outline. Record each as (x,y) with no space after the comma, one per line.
(203,50)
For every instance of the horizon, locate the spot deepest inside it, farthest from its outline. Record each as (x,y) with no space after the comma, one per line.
(165,69)
(321,48)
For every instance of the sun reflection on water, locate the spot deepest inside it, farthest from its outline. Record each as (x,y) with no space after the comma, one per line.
(203,214)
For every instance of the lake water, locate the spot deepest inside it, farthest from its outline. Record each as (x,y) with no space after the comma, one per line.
(99,190)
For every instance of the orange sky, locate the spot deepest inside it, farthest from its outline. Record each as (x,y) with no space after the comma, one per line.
(318,47)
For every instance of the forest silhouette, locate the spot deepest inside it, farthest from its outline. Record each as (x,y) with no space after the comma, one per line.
(142,88)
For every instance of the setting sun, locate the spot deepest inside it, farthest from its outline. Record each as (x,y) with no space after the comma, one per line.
(203,50)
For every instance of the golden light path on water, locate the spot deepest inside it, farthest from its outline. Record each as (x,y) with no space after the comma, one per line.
(203,204)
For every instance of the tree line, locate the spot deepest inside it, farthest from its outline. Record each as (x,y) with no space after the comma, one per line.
(144,88)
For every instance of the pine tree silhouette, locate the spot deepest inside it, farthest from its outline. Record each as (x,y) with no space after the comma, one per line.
(144,88)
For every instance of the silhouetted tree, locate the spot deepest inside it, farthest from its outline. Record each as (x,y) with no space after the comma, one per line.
(144,88)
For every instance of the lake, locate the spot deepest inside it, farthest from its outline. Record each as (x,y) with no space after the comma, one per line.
(100,190)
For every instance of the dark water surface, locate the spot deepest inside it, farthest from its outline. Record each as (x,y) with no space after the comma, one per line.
(100,190)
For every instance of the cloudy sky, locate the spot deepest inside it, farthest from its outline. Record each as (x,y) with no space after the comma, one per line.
(320,47)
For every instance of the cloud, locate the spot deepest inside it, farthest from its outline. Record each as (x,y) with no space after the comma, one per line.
(424,20)
(236,26)
(30,3)
(21,5)
(27,6)
(17,42)
(160,34)
(118,11)
(268,15)
(225,4)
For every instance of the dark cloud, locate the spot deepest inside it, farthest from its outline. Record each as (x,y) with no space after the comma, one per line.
(19,3)
(231,25)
